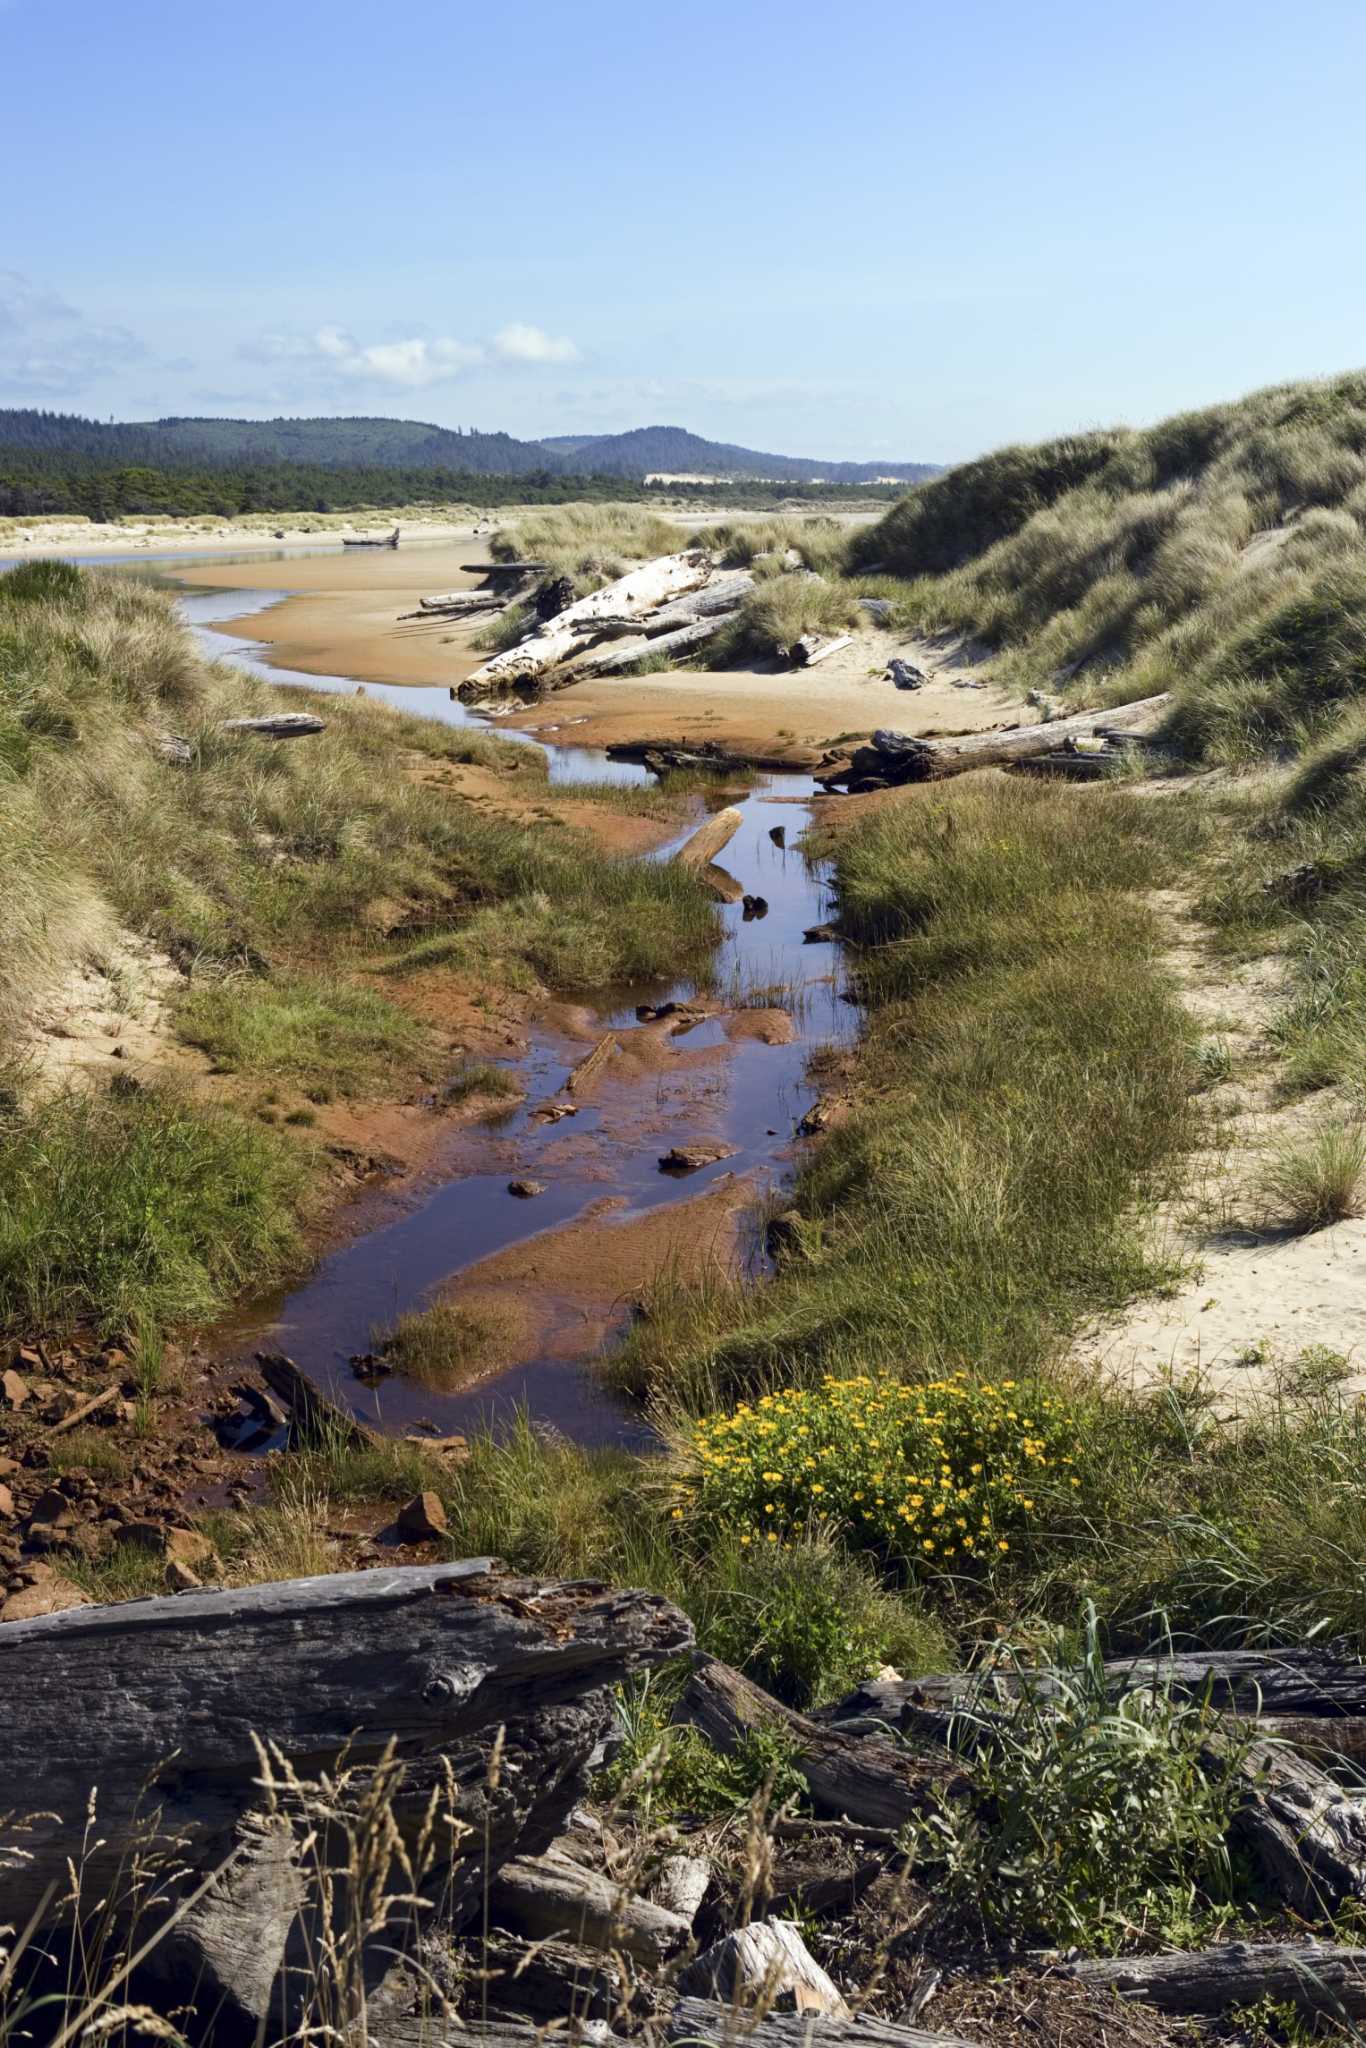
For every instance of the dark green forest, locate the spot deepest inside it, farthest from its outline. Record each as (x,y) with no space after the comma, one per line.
(54,463)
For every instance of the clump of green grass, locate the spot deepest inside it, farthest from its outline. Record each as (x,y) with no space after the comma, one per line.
(126,1211)
(1319,1179)
(776,614)
(504,629)
(443,1345)
(1089,1818)
(592,543)
(479,1077)
(302,1028)
(820,543)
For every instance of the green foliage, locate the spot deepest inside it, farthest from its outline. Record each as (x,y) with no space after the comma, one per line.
(302,1028)
(779,611)
(442,1345)
(663,1771)
(129,1209)
(929,1474)
(1319,1179)
(1091,1821)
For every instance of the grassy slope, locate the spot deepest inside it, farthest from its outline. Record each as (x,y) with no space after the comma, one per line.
(1219,554)
(264,871)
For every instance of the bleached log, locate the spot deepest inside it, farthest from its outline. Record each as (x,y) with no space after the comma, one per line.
(1234,1974)
(811,648)
(896,757)
(590,1068)
(681,1885)
(708,840)
(641,590)
(681,641)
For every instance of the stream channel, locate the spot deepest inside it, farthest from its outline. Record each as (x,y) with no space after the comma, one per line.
(402,1243)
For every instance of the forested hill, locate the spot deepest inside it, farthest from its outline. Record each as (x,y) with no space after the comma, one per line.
(325,443)
(416,444)
(647,451)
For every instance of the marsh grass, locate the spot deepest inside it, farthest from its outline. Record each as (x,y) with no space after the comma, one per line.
(592,543)
(775,615)
(124,1212)
(302,1028)
(443,1345)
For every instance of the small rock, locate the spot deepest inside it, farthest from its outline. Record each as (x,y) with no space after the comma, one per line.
(185,1546)
(52,1506)
(179,1577)
(6,1501)
(13,1389)
(525,1190)
(754,906)
(767,1961)
(778,834)
(422,1519)
(8,1467)
(688,1158)
(906,675)
(52,1595)
(819,935)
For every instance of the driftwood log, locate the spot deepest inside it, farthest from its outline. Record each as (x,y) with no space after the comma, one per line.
(764,1966)
(713,2025)
(1308,1836)
(640,591)
(593,1065)
(620,660)
(810,649)
(280,725)
(153,1710)
(551,1897)
(710,839)
(895,757)
(1304,1974)
(863,1778)
(716,599)
(310,1412)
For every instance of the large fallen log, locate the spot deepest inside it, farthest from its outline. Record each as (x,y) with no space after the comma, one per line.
(718,598)
(709,839)
(713,2025)
(862,1778)
(1236,1973)
(620,660)
(1306,1833)
(640,591)
(895,757)
(149,1714)
(810,649)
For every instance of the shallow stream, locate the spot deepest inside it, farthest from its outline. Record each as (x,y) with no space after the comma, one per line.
(401,1245)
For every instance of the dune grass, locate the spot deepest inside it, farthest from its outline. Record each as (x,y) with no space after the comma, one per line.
(1318,1179)
(776,614)
(117,1211)
(590,543)
(1220,555)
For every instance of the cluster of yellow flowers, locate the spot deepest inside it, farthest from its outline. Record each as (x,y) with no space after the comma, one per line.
(937,1474)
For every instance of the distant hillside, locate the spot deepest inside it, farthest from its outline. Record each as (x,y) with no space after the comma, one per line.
(330,443)
(647,451)
(415,444)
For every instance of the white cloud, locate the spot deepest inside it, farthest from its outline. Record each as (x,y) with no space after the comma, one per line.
(519,343)
(412,363)
(50,349)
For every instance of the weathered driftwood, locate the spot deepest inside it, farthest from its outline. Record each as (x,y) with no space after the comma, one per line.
(619,660)
(716,599)
(680,1885)
(311,1414)
(640,591)
(811,648)
(1307,1834)
(459,604)
(547,1980)
(1304,1974)
(153,1709)
(723,885)
(591,1067)
(552,1897)
(862,1778)
(706,2022)
(895,757)
(709,839)
(764,1966)
(1256,1683)
(280,725)
(429,2030)
(507,570)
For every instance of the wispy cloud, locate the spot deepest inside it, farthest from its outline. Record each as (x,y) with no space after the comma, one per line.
(412,362)
(49,348)
(520,343)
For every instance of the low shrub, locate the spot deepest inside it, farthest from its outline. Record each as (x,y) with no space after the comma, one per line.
(932,1475)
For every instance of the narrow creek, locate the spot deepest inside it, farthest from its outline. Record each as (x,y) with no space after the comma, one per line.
(718,1079)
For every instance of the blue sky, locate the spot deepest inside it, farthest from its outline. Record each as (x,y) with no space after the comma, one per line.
(861,230)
